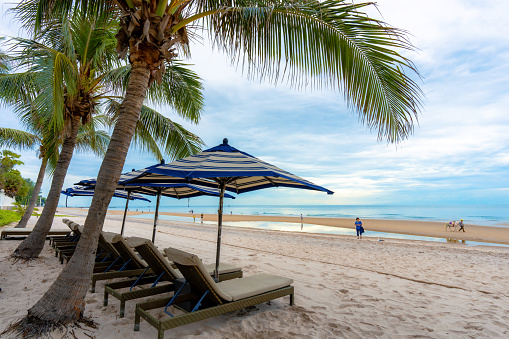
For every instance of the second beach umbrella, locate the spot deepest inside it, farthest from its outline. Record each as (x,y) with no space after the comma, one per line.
(159,185)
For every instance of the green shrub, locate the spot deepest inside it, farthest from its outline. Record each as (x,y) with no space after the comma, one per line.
(6,217)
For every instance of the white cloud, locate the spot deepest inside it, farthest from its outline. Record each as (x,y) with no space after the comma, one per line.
(460,149)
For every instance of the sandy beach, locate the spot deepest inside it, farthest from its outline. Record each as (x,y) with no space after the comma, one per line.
(345,288)
(489,234)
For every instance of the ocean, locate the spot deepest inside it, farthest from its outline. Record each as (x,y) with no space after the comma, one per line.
(485,215)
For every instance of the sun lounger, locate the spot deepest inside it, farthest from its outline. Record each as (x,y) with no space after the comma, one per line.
(144,285)
(161,269)
(23,232)
(211,298)
(105,252)
(70,237)
(130,263)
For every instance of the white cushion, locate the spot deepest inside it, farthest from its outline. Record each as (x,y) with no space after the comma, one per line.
(120,239)
(250,286)
(235,289)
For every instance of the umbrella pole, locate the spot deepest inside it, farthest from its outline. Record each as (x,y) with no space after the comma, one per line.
(219,226)
(125,211)
(66,200)
(156,216)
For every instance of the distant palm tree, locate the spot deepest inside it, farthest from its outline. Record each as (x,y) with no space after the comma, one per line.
(71,74)
(88,139)
(327,43)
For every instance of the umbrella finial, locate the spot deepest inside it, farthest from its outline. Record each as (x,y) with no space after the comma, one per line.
(162,161)
(225,141)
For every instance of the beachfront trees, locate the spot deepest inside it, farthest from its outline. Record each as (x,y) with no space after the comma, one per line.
(88,139)
(10,179)
(75,71)
(329,43)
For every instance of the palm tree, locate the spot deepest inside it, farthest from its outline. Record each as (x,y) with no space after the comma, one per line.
(328,43)
(77,54)
(88,139)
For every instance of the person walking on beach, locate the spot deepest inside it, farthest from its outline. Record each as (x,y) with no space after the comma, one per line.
(462,227)
(194,218)
(301,218)
(202,218)
(358,228)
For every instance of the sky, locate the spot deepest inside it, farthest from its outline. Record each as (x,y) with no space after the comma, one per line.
(458,153)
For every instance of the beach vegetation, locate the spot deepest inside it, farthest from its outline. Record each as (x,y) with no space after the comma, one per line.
(11,181)
(8,216)
(91,139)
(77,61)
(330,43)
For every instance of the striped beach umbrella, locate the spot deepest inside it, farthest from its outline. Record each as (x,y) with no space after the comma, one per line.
(228,169)
(87,192)
(158,185)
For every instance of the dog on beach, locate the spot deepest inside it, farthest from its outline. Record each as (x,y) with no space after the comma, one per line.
(451,226)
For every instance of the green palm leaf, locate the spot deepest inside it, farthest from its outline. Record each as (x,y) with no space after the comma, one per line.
(158,134)
(13,138)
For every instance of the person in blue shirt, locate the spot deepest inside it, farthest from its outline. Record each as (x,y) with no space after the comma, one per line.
(359,228)
(462,226)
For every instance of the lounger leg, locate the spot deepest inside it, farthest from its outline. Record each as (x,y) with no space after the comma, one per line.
(105,302)
(292,301)
(160,333)
(122,309)
(136,322)
(92,290)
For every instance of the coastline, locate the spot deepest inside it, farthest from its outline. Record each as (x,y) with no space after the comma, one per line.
(344,287)
(476,233)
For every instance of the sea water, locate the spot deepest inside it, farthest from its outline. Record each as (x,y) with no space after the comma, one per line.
(484,215)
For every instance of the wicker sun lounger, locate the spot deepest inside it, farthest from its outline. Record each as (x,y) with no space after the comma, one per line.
(106,253)
(128,264)
(161,269)
(53,241)
(23,232)
(211,298)
(134,288)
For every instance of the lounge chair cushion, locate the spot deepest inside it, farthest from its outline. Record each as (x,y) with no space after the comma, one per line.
(136,241)
(108,236)
(250,286)
(27,231)
(134,256)
(235,289)
(181,255)
(223,268)
(188,259)
(141,241)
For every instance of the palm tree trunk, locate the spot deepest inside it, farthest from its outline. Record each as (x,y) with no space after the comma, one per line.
(35,194)
(64,302)
(32,246)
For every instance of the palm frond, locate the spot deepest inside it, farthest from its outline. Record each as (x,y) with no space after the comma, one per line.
(181,89)
(36,15)
(159,135)
(13,138)
(92,140)
(330,43)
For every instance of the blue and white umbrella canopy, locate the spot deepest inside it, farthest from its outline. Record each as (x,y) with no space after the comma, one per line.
(140,182)
(239,171)
(161,185)
(81,191)
(227,168)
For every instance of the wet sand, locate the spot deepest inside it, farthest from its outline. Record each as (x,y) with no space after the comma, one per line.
(489,234)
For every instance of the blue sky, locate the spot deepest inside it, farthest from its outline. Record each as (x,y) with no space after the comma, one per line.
(458,154)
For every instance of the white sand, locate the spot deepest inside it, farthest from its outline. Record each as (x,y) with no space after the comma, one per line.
(344,287)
